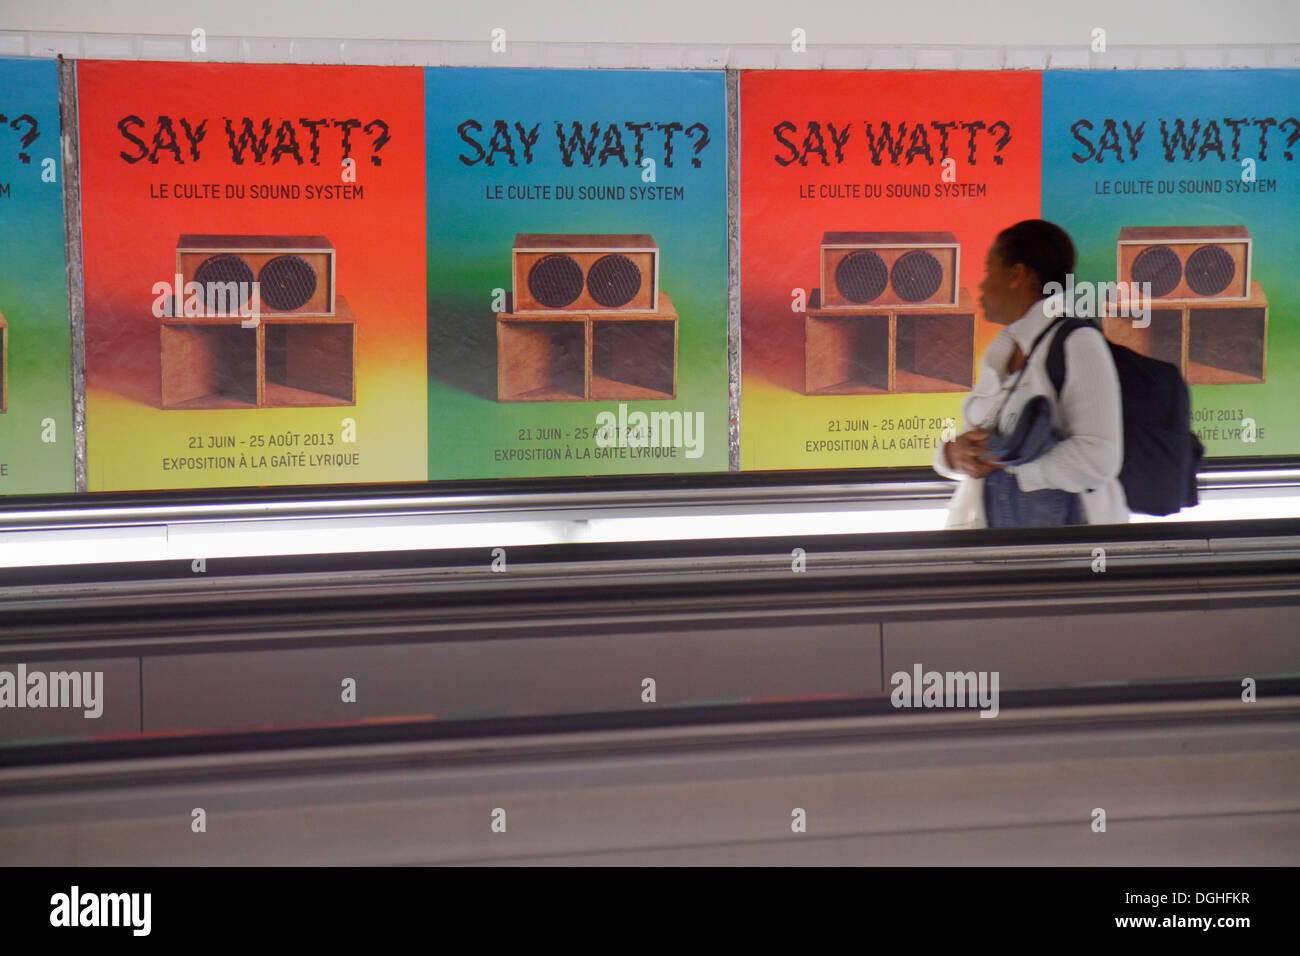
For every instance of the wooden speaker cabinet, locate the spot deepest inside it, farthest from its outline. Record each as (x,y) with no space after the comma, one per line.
(584,273)
(295,273)
(896,270)
(847,354)
(877,351)
(1163,339)
(285,362)
(568,357)
(542,358)
(1187,262)
(1212,341)
(4,364)
(213,365)
(634,356)
(934,348)
(308,362)
(1226,341)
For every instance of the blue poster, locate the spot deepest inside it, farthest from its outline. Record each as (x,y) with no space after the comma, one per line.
(1182,188)
(37,442)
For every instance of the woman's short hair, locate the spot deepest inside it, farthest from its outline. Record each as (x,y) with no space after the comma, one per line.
(1041,245)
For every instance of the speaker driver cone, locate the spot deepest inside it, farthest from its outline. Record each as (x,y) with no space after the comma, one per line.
(287,282)
(1210,270)
(555,280)
(221,271)
(861,276)
(916,275)
(613,280)
(1160,266)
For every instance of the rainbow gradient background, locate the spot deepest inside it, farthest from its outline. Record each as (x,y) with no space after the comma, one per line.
(470,239)
(34,288)
(1070,198)
(130,243)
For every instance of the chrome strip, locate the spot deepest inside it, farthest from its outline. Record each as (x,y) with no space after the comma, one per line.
(567,746)
(629,502)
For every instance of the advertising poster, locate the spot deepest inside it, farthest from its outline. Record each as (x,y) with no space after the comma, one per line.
(868,203)
(254,274)
(1180,189)
(577,251)
(37,442)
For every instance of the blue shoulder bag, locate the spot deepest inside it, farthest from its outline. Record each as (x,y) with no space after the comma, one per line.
(1005,504)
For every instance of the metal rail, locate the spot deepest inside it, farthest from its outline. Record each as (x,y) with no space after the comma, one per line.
(647,495)
(1278,714)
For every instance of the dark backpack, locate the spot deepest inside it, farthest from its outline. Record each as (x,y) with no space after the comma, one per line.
(1161,452)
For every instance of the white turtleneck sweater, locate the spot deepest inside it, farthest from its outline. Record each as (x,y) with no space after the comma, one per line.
(1087,412)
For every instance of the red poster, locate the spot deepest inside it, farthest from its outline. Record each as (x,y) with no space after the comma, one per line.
(308,180)
(868,202)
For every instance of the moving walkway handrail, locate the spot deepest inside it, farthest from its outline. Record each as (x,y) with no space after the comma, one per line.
(636,495)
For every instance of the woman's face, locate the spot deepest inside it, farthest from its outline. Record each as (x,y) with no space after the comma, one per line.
(999,295)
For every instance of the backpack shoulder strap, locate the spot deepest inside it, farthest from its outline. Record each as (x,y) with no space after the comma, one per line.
(1056,351)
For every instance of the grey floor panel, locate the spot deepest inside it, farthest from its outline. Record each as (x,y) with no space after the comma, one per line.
(1019,802)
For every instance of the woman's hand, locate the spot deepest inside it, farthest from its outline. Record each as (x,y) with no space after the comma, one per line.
(965,454)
